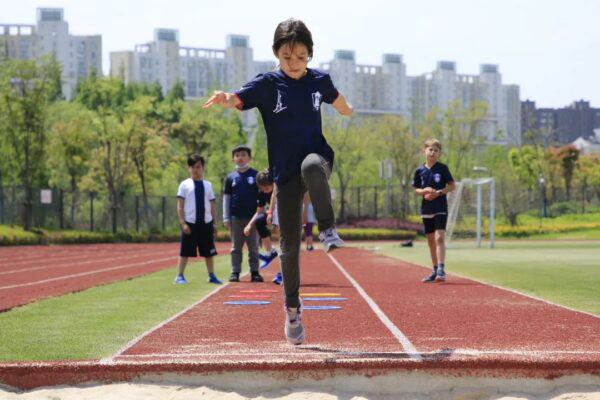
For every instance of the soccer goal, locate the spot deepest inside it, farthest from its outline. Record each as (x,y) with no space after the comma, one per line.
(472,211)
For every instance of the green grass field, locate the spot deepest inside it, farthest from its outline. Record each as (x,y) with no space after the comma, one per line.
(97,322)
(561,271)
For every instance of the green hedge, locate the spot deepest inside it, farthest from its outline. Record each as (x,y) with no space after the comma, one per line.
(11,236)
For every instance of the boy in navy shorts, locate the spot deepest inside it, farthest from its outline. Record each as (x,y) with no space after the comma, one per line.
(261,219)
(196,210)
(433,181)
(239,205)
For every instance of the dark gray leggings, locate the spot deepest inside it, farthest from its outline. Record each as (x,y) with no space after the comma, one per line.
(313,177)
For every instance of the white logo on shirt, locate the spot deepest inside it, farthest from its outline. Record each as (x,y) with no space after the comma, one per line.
(437,178)
(250,180)
(279,106)
(316,101)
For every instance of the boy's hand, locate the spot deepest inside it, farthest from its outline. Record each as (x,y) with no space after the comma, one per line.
(248,230)
(269,219)
(218,98)
(186,229)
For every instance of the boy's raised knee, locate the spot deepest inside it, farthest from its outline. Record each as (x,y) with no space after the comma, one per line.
(311,166)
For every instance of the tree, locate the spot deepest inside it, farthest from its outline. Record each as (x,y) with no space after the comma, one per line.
(212,132)
(112,159)
(70,147)
(27,88)
(457,129)
(568,156)
(349,141)
(399,145)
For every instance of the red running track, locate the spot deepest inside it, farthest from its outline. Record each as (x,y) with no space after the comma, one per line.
(389,316)
(31,273)
(390,322)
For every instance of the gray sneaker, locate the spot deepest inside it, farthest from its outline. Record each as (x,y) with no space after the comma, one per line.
(294,331)
(441,275)
(330,239)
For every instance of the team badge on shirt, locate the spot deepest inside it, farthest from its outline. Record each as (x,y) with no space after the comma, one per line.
(437,178)
(250,180)
(279,106)
(316,100)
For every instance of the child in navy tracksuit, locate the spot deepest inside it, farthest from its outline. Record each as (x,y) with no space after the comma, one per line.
(289,100)
(239,204)
(434,181)
(262,218)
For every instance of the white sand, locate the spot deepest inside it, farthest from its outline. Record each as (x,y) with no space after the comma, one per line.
(127,391)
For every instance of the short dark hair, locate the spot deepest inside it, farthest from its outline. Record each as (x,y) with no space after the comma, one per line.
(194,158)
(264,178)
(241,147)
(292,31)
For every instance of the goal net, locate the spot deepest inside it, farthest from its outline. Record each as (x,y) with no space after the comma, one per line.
(471,212)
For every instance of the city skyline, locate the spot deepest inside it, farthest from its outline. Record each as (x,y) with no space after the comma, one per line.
(533,46)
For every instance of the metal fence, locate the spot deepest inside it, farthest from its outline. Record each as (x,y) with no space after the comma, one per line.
(64,209)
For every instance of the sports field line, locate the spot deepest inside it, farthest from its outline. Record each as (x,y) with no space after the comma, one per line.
(133,342)
(16,271)
(471,352)
(51,257)
(406,344)
(449,275)
(87,273)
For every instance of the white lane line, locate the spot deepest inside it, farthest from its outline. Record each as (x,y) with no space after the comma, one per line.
(49,257)
(133,342)
(406,344)
(100,260)
(86,273)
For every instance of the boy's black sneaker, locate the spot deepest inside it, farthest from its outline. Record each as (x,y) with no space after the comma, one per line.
(234,277)
(430,278)
(256,277)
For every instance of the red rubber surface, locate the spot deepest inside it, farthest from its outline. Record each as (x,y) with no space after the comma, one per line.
(30,273)
(460,327)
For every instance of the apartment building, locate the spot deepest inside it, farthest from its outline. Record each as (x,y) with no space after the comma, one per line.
(78,55)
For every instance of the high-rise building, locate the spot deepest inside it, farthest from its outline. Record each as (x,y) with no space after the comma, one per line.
(559,125)
(78,56)
(200,70)
(371,89)
(386,89)
(437,90)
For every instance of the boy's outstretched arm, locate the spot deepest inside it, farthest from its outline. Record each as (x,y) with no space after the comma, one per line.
(224,99)
(342,106)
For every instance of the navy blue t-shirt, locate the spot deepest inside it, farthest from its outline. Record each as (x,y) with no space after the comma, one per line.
(291,112)
(436,177)
(241,186)
(263,199)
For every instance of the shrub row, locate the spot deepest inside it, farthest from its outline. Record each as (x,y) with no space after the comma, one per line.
(16,236)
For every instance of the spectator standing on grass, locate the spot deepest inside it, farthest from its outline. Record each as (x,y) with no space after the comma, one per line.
(289,100)
(433,181)
(239,205)
(196,211)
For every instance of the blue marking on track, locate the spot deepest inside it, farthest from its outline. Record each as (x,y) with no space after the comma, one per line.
(254,303)
(322,308)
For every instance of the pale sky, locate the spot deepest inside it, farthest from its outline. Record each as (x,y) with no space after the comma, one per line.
(550,48)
